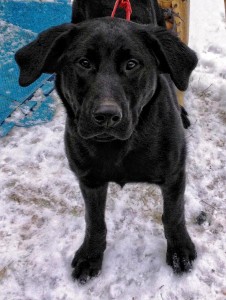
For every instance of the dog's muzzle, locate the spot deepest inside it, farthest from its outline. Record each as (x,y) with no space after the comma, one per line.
(107,121)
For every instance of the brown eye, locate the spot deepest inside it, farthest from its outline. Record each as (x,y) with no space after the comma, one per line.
(85,63)
(131,64)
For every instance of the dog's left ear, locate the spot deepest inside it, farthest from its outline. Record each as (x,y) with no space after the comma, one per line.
(174,57)
(41,55)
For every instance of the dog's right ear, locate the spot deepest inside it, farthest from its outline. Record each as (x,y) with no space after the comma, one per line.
(41,55)
(172,55)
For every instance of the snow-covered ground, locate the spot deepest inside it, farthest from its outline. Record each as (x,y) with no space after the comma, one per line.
(42,212)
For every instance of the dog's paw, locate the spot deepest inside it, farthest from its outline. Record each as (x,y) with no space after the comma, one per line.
(85,267)
(181,258)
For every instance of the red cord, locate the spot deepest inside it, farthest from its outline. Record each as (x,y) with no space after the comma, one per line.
(125,4)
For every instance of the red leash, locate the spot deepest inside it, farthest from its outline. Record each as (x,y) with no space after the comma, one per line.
(125,4)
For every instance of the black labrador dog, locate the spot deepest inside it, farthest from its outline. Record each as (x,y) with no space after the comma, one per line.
(117,81)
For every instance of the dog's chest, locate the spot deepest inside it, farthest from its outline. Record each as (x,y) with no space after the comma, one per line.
(135,167)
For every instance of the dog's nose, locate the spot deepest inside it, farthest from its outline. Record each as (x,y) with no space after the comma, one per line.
(107,115)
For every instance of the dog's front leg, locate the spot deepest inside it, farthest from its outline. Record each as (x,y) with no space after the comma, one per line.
(180,248)
(87,261)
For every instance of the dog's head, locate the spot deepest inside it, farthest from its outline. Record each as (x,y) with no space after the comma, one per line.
(107,71)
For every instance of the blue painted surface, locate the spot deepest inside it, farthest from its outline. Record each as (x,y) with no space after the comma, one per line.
(20,22)
(35,16)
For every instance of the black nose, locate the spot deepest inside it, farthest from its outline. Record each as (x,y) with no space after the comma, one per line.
(107,115)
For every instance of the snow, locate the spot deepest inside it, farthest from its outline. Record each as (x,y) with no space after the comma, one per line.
(42,211)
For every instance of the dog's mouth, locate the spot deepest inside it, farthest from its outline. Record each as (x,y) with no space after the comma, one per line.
(104,138)
(87,132)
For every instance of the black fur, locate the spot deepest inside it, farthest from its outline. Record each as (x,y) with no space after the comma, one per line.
(131,68)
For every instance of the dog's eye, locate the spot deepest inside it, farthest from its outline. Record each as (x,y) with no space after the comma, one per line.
(85,63)
(131,64)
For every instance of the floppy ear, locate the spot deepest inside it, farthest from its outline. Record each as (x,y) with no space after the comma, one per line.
(41,55)
(173,55)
